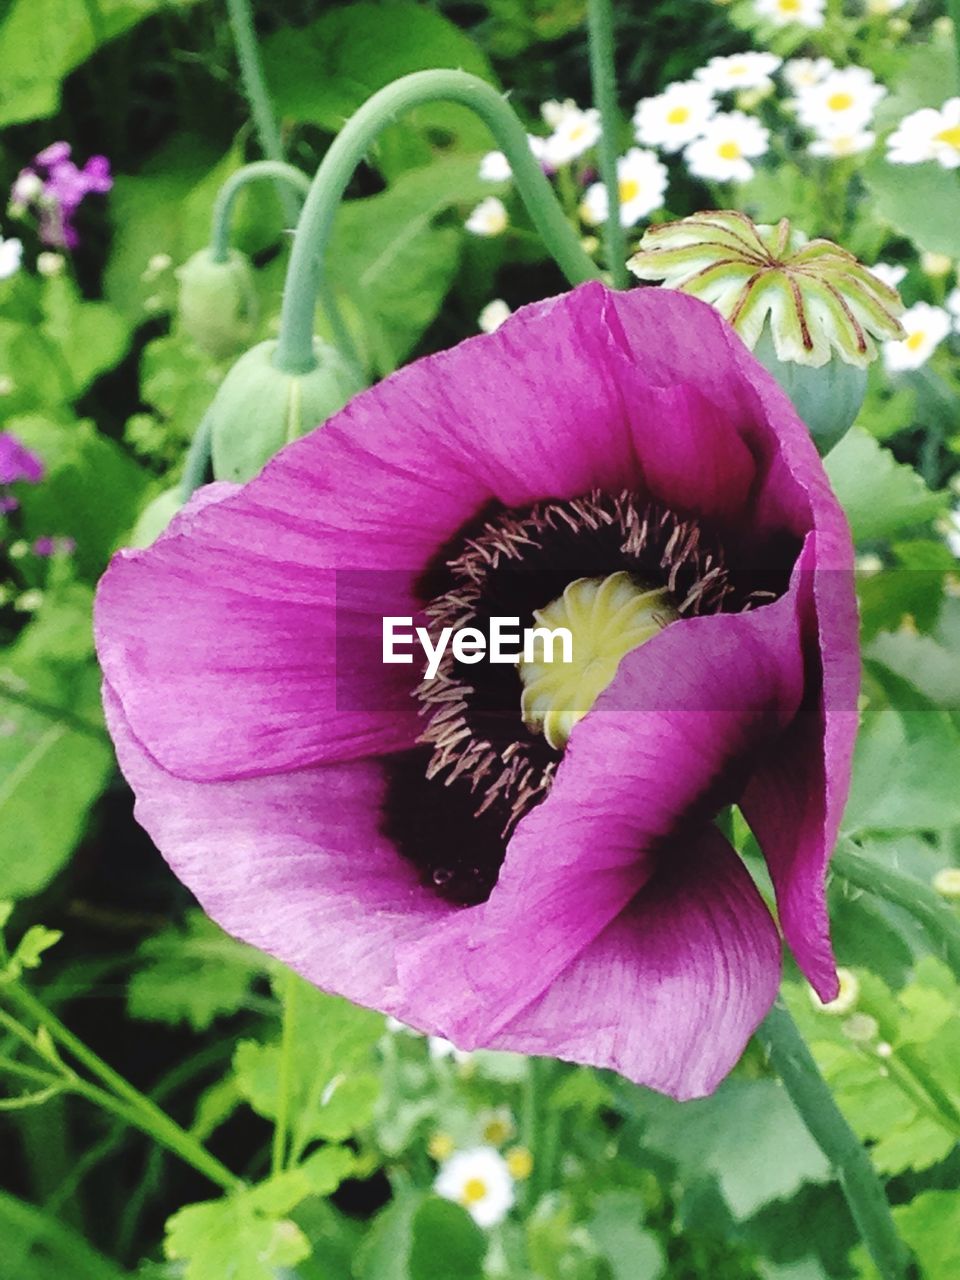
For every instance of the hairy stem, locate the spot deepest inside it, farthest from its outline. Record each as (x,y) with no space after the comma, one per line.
(810,1094)
(258,96)
(604,78)
(285,175)
(294,352)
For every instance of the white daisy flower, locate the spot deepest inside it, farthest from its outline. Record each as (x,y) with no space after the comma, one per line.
(553,113)
(805,13)
(479,1180)
(738,71)
(801,73)
(888,273)
(495,167)
(928,134)
(642,182)
(837,145)
(842,102)
(951,536)
(440,1049)
(845,999)
(675,117)
(729,142)
(926,328)
(11,255)
(493,315)
(936,264)
(575,133)
(489,218)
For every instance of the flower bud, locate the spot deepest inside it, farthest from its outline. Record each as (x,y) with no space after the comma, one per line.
(259,408)
(218,302)
(155,517)
(808,309)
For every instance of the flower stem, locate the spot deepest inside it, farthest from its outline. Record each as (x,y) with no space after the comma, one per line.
(282,173)
(258,96)
(604,77)
(120,1097)
(813,1100)
(281,1125)
(294,352)
(938,919)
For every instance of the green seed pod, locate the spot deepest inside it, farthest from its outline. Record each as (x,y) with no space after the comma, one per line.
(828,399)
(811,313)
(155,517)
(217,305)
(259,408)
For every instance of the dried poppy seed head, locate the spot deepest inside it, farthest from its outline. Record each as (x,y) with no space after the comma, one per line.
(820,299)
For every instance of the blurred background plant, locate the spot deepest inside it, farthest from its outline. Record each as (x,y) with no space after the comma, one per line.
(366,1151)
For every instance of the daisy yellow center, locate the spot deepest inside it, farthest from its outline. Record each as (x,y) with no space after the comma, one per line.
(607,618)
(840,101)
(916,340)
(790,6)
(950,136)
(629,190)
(729,151)
(577,132)
(474,1190)
(678,115)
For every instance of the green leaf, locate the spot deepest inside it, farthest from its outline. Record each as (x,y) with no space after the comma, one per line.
(232,1239)
(616,1226)
(392,259)
(33,944)
(385,1251)
(930,1226)
(42,40)
(331,1087)
(91,336)
(192,973)
(747,1135)
(905,773)
(447,1244)
(92,490)
(55,758)
(881,496)
(322,73)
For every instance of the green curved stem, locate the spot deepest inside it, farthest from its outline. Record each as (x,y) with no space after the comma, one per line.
(258,96)
(937,917)
(604,78)
(815,1104)
(119,1097)
(294,352)
(283,174)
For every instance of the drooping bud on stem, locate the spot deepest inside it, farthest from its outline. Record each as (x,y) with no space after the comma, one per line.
(259,408)
(808,309)
(217,304)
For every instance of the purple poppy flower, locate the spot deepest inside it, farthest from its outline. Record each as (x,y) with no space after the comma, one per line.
(56,187)
(17,462)
(417,845)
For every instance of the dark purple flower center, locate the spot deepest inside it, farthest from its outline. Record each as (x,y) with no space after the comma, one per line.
(453,802)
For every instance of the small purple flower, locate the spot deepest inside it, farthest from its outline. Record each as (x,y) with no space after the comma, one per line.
(477,863)
(49,546)
(17,462)
(54,187)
